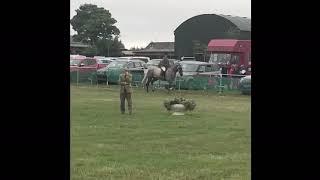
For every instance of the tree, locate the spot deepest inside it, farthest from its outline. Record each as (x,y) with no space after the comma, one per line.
(103,47)
(106,47)
(116,47)
(93,23)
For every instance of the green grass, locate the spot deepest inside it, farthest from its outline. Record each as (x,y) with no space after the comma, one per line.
(212,142)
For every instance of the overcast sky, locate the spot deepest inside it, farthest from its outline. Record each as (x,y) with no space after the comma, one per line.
(143,21)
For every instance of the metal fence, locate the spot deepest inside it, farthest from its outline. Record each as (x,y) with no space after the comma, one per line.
(221,82)
(82,75)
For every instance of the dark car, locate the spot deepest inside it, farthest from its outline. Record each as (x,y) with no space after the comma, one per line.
(114,69)
(196,74)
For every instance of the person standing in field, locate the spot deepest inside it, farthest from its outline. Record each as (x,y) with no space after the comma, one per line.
(125,80)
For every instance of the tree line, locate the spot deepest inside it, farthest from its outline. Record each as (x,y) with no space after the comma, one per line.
(95,26)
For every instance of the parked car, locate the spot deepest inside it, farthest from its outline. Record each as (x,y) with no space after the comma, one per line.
(81,69)
(83,64)
(74,58)
(104,61)
(141,58)
(113,70)
(245,85)
(196,74)
(88,63)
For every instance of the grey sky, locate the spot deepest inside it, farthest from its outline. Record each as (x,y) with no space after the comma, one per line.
(142,21)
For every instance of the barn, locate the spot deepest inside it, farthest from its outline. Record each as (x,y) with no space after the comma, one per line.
(193,35)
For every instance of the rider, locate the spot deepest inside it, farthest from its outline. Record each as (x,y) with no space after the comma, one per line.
(163,65)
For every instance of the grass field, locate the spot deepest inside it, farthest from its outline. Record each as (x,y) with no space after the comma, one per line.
(213,142)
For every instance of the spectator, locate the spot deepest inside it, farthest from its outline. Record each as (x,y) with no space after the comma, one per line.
(224,70)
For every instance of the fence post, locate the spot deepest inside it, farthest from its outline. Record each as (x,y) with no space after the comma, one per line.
(90,80)
(220,85)
(96,77)
(77,77)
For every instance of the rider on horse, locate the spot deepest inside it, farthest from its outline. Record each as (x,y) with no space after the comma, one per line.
(163,65)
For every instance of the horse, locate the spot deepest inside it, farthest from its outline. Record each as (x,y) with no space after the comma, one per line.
(154,73)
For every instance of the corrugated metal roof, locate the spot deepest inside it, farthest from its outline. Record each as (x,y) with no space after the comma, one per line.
(244,24)
(128,52)
(160,45)
(155,50)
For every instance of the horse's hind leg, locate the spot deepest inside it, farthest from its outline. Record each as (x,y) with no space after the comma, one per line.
(152,85)
(147,84)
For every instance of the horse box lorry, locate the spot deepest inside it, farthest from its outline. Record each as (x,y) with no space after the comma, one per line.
(230,51)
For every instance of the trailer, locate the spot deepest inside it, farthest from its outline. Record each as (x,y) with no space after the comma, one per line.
(228,52)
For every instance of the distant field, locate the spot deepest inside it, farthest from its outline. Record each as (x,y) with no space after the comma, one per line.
(213,142)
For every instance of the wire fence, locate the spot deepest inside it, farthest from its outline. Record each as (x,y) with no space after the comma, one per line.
(217,82)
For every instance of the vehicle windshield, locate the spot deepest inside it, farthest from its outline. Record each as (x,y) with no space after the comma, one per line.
(189,67)
(75,62)
(224,58)
(117,64)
